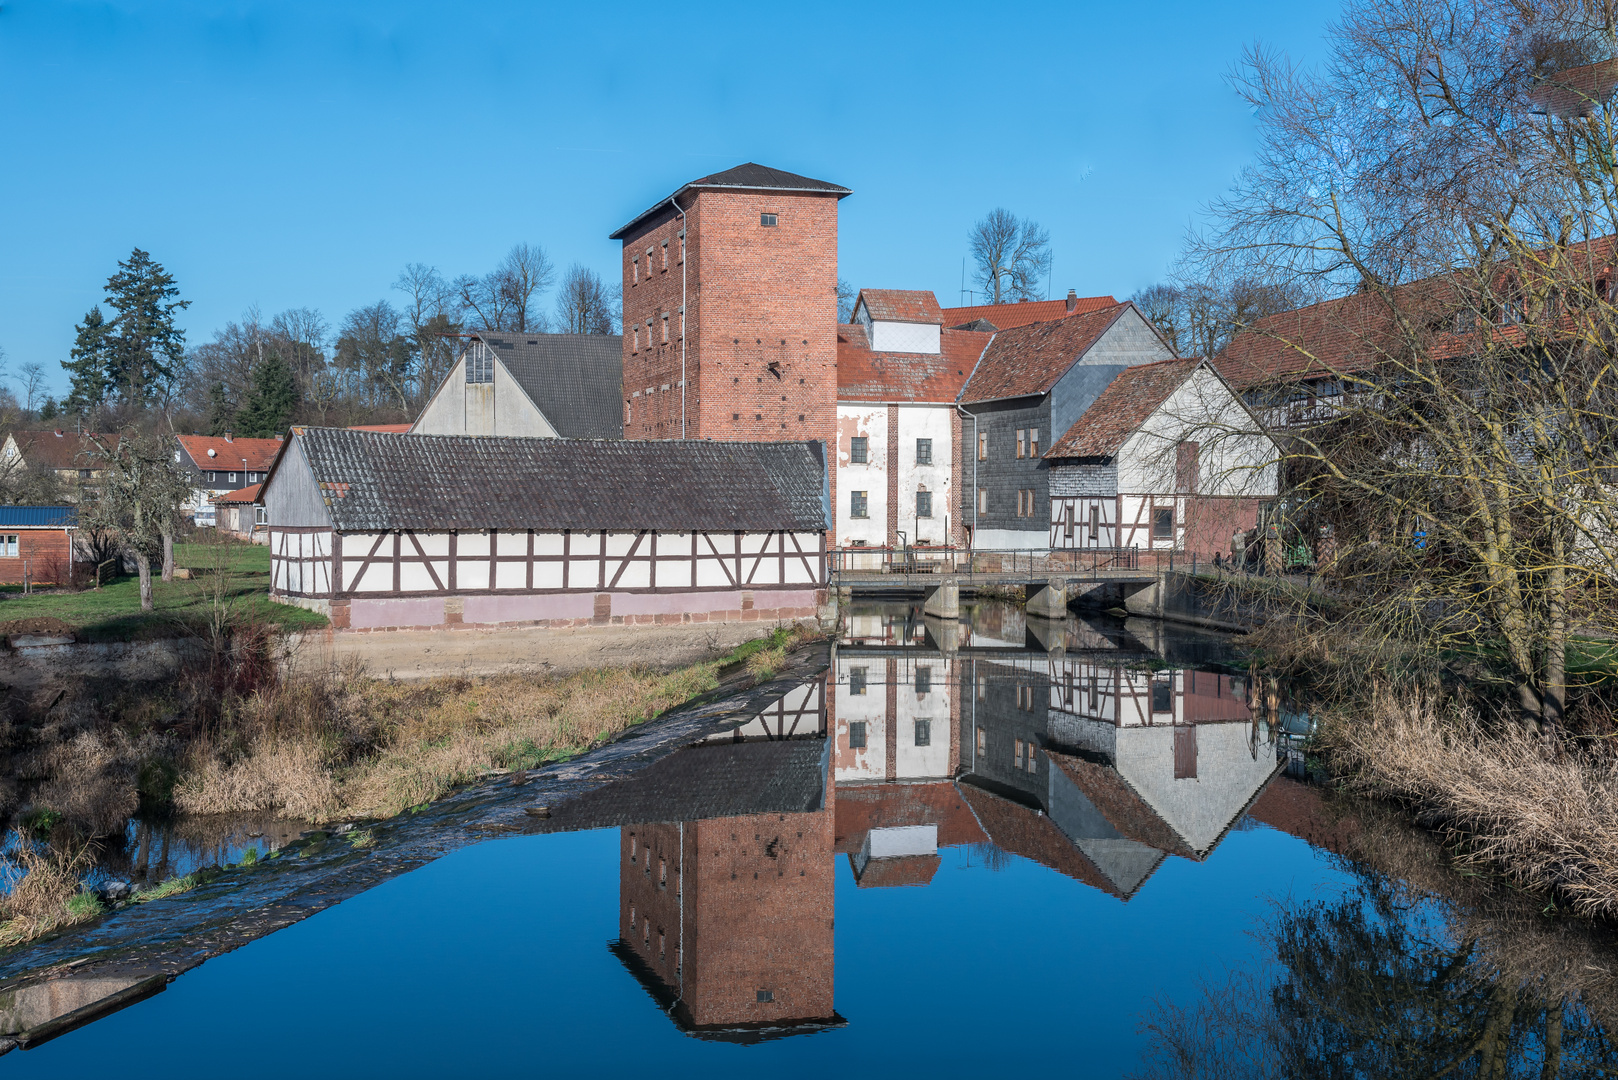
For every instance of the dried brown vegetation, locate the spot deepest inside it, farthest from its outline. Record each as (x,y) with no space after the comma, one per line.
(1540,814)
(48,895)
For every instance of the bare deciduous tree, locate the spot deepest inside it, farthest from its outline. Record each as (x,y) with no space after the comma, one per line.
(432,314)
(507,297)
(1012,257)
(139,496)
(583,304)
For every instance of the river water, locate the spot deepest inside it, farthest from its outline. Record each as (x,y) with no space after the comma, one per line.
(998,844)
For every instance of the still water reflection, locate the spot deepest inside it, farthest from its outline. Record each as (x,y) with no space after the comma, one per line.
(1067,845)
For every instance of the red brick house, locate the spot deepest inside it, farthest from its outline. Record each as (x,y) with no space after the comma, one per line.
(36,544)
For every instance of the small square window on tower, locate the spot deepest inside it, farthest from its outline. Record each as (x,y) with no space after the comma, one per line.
(767,220)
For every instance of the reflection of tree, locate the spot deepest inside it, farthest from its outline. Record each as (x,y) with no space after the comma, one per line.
(1379,984)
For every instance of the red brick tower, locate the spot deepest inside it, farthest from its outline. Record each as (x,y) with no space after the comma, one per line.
(733,279)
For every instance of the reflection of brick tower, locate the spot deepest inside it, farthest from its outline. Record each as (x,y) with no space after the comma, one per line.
(757,945)
(733,280)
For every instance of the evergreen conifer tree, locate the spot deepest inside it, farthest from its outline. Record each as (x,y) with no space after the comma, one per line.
(221,411)
(140,350)
(89,367)
(274,396)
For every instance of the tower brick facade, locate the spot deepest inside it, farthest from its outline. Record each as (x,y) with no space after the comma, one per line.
(733,280)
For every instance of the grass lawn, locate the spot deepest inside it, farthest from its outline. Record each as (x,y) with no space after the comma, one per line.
(113,613)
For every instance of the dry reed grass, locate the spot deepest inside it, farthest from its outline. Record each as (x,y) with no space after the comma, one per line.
(340,744)
(42,900)
(1547,820)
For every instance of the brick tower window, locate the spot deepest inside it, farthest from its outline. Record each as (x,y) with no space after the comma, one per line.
(767,220)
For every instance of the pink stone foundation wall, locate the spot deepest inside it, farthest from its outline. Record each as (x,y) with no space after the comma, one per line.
(363,614)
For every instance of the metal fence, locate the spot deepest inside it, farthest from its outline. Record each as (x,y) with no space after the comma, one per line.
(874,563)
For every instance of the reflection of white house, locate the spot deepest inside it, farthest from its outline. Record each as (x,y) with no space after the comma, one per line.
(895,716)
(1167,457)
(1183,759)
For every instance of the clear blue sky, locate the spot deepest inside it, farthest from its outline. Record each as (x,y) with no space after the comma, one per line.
(298,154)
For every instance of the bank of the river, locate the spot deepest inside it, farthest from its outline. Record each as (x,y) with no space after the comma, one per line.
(140,946)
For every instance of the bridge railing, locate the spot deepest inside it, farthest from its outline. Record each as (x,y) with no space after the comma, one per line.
(872,562)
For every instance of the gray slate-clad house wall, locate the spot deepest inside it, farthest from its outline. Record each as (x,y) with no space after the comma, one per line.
(394,530)
(538,385)
(1038,379)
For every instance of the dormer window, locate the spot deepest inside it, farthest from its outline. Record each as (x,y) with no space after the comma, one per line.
(479,363)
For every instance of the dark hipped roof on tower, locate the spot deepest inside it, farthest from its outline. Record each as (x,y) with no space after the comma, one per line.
(746,177)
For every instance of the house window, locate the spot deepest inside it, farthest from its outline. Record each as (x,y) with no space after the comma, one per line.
(857,503)
(1163,693)
(261,515)
(1163,523)
(1016,755)
(856,735)
(859,449)
(983,446)
(1095,521)
(983,501)
(233,478)
(84,474)
(983,688)
(665,254)
(213,477)
(924,504)
(767,220)
(765,997)
(924,680)
(634,270)
(479,363)
(8,546)
(1022,442)
(983,741)
(856,680)
(924,451)
(1033,442)
(924,732)
(1185,753)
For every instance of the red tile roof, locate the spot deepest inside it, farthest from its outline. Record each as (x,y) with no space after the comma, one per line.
(900,870)
(56,448)
(248,494)
(1123,406)
(1354,333)
(1578,91)
(396,429)
(1027,360)
(237,454)
(901,305)
(1005,316)
(863,807)
(1022,831)
(863,375)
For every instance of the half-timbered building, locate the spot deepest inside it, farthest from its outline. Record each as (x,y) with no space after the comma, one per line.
(385,530)
(1167,458)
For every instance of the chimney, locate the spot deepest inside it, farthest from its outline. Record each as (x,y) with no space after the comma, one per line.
(1072,300)
(228,438)
(58,433)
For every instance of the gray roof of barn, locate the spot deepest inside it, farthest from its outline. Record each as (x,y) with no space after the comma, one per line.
(576,380)
(745,177)
(375,481)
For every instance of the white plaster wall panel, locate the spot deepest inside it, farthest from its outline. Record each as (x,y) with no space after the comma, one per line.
(511,575)
(432,544)
(1230,770)
(471,574)
(472,544)
(905,337)
(871,423)
(925,422)
(711,573)
(445,414)
(621,543)
(514,412)
(413,577)
(548,543)
(1010,539)
(547,575)
(636,574)
(870,708)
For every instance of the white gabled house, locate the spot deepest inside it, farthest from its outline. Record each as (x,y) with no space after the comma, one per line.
(1167,458)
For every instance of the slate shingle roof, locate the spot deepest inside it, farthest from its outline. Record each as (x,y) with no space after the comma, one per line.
(863,375)
(745,177)
(1122,805)
(1122,407)
(901,305)
(576,380)
(1028,360)
(376,481)
(1005,316)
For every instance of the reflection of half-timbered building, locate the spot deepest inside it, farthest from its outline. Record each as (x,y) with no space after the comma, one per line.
(389,530)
